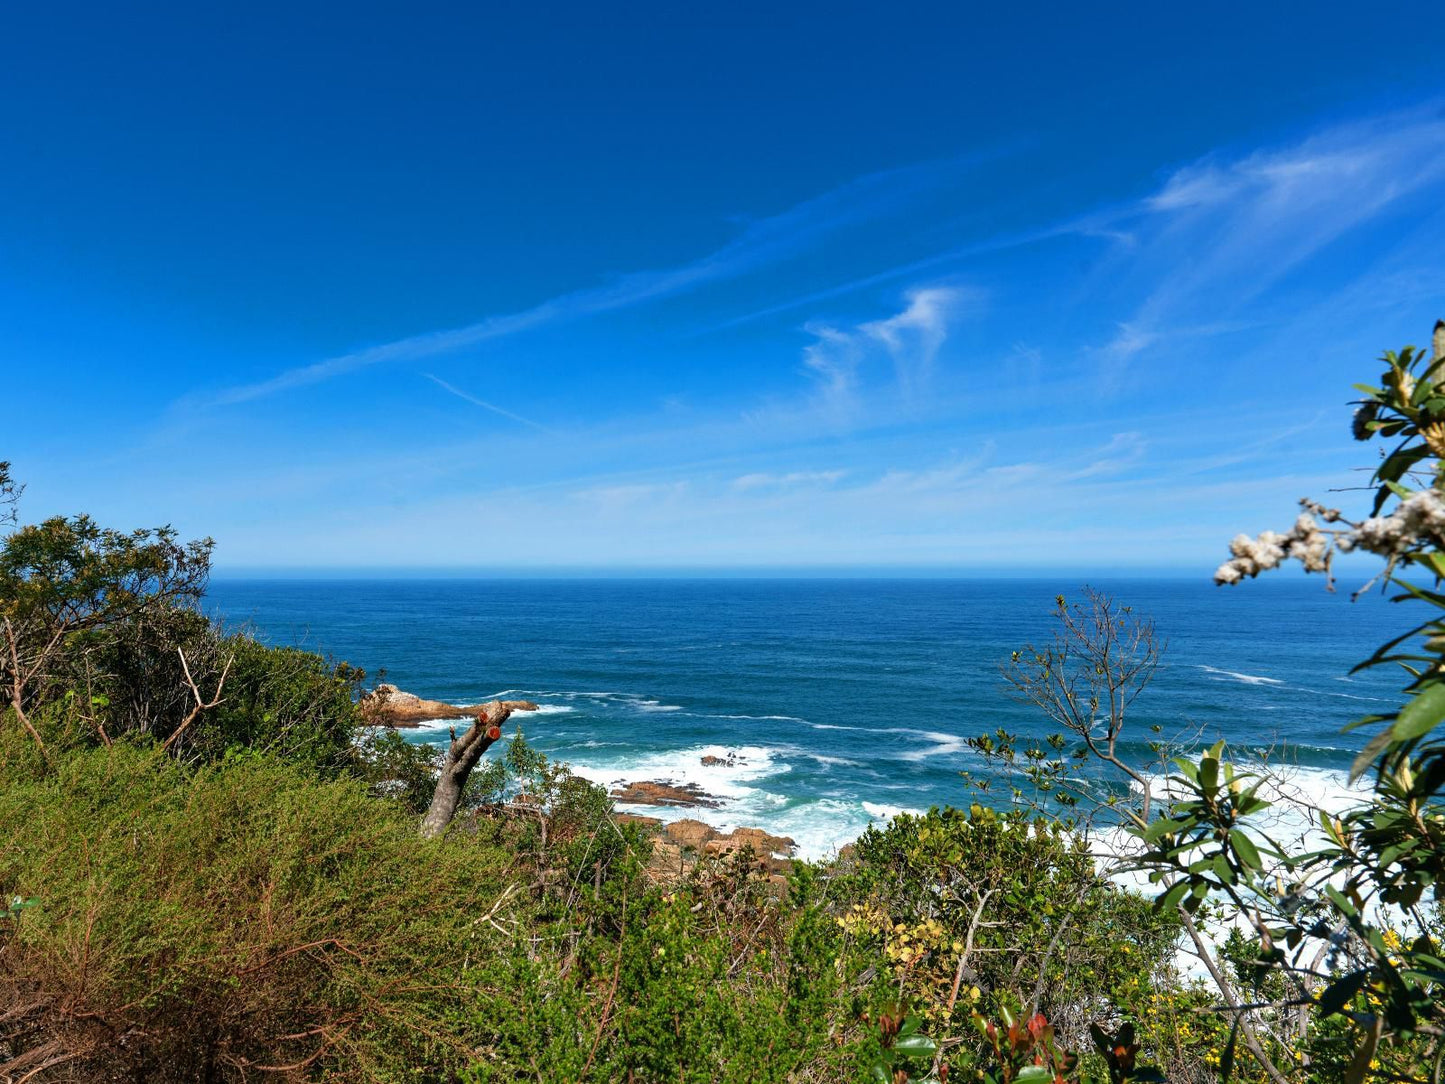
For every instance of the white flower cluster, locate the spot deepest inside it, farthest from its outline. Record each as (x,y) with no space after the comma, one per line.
(1419,518)
(1305,542)
(1421,515)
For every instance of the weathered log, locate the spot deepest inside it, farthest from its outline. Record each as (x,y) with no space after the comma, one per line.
(462,756)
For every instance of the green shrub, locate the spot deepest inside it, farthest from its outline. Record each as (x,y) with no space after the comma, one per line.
(247,915)
(956,913)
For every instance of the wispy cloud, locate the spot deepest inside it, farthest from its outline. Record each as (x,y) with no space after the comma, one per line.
(439,382)
(790,480)
(913,337)
(1124,450)
(763,241)
(1220,233)
(910,340)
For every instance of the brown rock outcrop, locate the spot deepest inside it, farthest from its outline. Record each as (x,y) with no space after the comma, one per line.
(637,819)
(773,852)
(732,760)
(690,833)
(678,847)
(654,792)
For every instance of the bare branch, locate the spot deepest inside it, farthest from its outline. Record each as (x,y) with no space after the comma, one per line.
(200,704)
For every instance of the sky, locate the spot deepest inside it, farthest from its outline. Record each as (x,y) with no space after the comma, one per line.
(958,288)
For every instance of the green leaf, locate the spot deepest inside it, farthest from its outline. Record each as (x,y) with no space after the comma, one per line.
(1161,827)
(1245,849)
(1034,1074)
(1338,994)
(1377,745)
(1209,773)
(916,1046)
(1172,896)
(1421,714)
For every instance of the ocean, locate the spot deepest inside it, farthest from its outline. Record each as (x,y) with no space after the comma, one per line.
(838,702)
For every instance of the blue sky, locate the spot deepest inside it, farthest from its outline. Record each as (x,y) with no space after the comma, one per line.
(926,287)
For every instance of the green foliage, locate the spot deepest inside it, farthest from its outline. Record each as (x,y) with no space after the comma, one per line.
(398,769)
(1350,928)
(242,916)
(67,582)
(101,638)
(966,912)
(714,978)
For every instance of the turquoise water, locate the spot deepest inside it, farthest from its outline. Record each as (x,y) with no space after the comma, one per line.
(841,700)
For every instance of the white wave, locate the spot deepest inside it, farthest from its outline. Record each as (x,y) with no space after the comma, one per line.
(888,812)
(761,718)
(549,709)
(433,725)
(831,762)
(654,705)
(1248,679)
(943,744)
(821,758)
(681,767)
(819,828)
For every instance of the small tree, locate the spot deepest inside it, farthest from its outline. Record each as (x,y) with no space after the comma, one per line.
(101,635)
(1102,657)
(66,583)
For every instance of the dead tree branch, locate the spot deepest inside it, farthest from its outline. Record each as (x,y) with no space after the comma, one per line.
(201,705)
(462,756)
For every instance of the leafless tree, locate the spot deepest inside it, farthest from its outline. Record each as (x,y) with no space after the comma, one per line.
(9,496)
(1101,658)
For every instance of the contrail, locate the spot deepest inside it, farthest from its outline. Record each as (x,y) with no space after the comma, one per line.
(486,405)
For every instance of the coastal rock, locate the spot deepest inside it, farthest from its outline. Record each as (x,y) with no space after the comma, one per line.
(690,833)
(773,852)
(386,705)
(680,845)
(732,760)
(637,819)
(655,792)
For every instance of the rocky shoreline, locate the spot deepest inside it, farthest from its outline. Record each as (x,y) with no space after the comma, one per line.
(677,845)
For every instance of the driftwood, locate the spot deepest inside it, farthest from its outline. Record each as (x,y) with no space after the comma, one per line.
(462,756)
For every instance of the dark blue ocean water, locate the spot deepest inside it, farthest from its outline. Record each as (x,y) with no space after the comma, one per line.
(842,700)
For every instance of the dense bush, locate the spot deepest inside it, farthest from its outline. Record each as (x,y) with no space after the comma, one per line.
(197,926)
